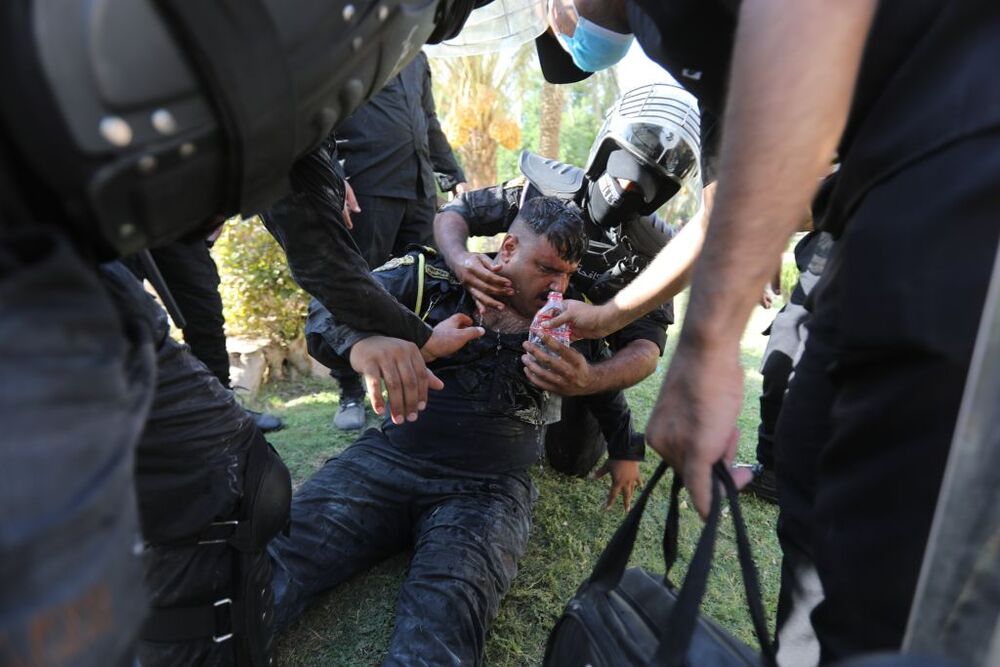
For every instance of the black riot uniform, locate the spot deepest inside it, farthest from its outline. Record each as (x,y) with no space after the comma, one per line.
(591,423)
(393,151)
(454,485)
(866,427)
(132,479)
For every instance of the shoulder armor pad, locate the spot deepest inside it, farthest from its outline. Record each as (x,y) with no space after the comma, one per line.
(550,177)
(647,234)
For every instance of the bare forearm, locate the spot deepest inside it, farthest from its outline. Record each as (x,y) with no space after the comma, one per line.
(451,233)
(667,274)
(629,366)
(794,69)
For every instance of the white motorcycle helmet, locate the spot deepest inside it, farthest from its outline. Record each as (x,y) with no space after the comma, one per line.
(646,151)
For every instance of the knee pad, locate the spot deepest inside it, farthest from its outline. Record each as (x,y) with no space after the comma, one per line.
(216,603)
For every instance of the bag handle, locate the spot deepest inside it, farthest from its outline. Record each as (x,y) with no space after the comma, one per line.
(674,646)
(610,567)
(671,531)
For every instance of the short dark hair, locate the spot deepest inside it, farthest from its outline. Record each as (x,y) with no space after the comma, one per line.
(559,222)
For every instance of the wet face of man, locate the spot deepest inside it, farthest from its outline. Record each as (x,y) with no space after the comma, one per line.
(535,268)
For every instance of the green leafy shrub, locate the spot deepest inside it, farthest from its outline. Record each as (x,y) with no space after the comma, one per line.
(261,299)
(789,276)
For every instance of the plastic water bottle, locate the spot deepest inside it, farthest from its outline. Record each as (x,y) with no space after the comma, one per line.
(554,306)
(552,411)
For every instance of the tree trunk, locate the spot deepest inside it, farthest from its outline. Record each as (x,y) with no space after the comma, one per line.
(479,158)
(553,97)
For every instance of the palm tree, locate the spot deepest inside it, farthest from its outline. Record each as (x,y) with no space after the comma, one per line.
(476,109)
(553,100)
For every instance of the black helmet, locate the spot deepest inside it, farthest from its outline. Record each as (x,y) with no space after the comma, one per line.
(650,138)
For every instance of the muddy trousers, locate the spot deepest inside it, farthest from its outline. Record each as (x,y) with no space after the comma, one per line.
(467,531)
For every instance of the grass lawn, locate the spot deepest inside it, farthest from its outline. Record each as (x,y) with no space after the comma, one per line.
(351,625)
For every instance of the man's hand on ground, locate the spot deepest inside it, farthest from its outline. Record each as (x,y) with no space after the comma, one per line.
(561,370)
(478,274)
(625,480)
(398,365)
(450,336)
(693,423)
(585,320)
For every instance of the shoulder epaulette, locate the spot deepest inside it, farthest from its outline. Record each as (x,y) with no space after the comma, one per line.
(395,262)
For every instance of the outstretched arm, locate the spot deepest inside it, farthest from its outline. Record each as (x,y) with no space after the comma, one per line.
(398,365)
(662,280)
(323,257)
(325,262)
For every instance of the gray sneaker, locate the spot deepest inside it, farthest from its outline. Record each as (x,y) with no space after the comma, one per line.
(350,415)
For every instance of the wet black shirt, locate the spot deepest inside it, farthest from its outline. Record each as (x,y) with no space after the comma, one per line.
(489,417)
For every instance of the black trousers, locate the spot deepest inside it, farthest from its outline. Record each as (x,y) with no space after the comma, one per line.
(589,427)
(468,532)
(864,435)
(193,279)
(76,382)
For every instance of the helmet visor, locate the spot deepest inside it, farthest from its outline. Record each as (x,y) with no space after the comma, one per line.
(659,146)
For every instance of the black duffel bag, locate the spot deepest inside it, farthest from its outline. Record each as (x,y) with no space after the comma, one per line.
(624,617)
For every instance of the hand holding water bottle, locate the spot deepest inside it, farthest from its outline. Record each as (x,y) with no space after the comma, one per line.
(551,363)
(552,307)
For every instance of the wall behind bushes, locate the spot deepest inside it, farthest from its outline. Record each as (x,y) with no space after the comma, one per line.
(261,299)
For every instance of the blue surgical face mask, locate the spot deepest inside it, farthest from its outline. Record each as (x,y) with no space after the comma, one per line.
(594,47)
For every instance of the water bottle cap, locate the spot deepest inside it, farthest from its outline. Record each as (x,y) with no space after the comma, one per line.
(555,296)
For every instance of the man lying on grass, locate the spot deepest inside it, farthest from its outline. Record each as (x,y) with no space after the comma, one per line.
(453,485)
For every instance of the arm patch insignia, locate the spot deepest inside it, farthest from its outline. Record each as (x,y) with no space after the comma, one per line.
(440,274)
